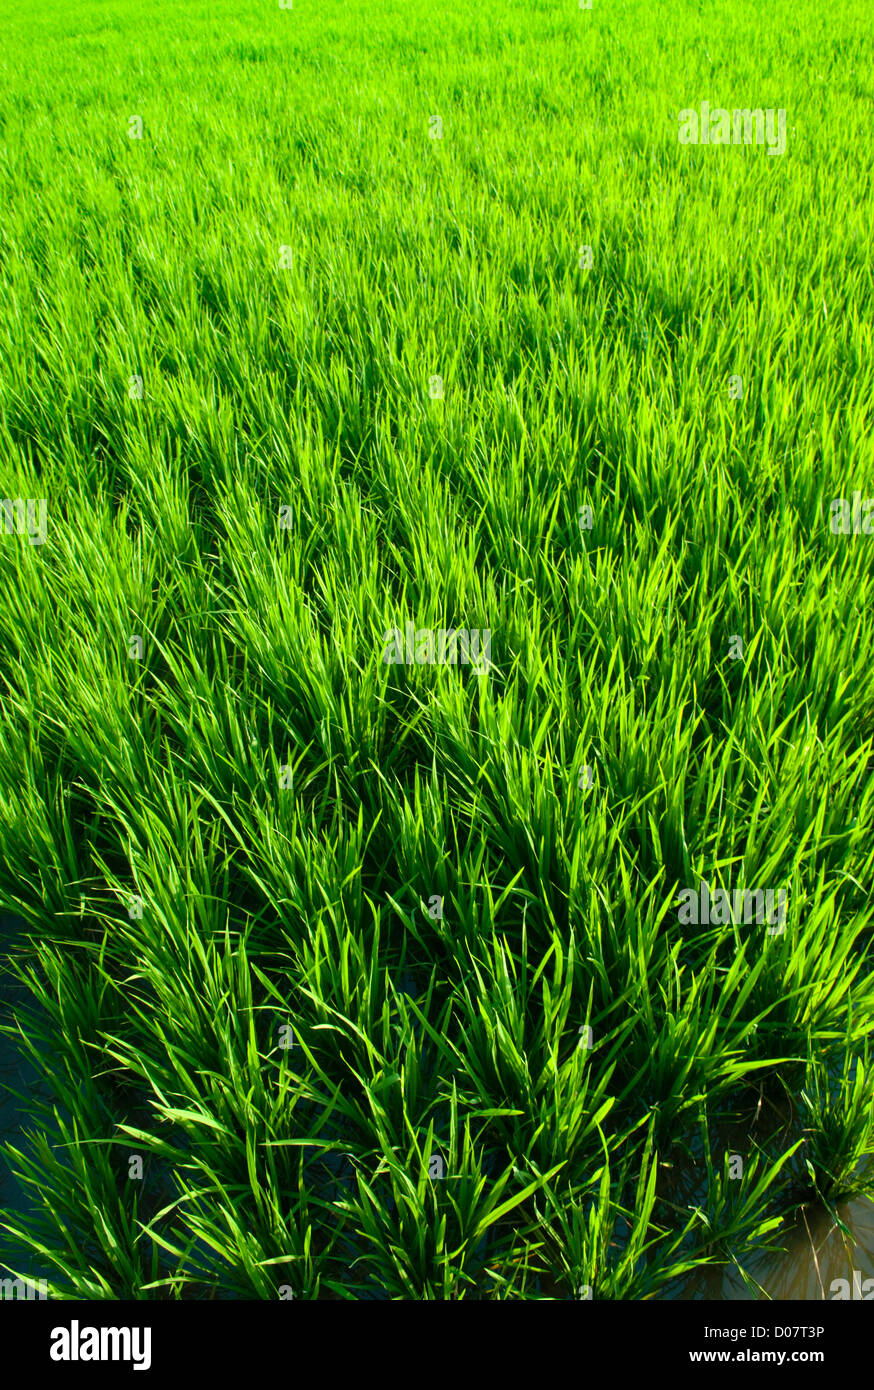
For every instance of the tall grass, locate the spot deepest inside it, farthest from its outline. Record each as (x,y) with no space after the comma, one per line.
(436,878)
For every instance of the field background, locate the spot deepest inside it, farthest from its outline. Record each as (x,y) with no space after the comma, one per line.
(300,898)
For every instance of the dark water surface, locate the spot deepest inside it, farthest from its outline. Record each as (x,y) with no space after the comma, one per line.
(17,1074)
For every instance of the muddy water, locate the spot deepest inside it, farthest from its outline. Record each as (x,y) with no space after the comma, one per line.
(817,1252)
(813,1251)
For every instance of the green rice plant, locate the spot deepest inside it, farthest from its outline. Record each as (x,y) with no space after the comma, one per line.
(839,1128)
(347,976)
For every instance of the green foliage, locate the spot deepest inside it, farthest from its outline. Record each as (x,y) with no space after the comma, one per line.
(284,804)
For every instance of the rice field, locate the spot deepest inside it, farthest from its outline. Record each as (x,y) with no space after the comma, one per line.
(436,647)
